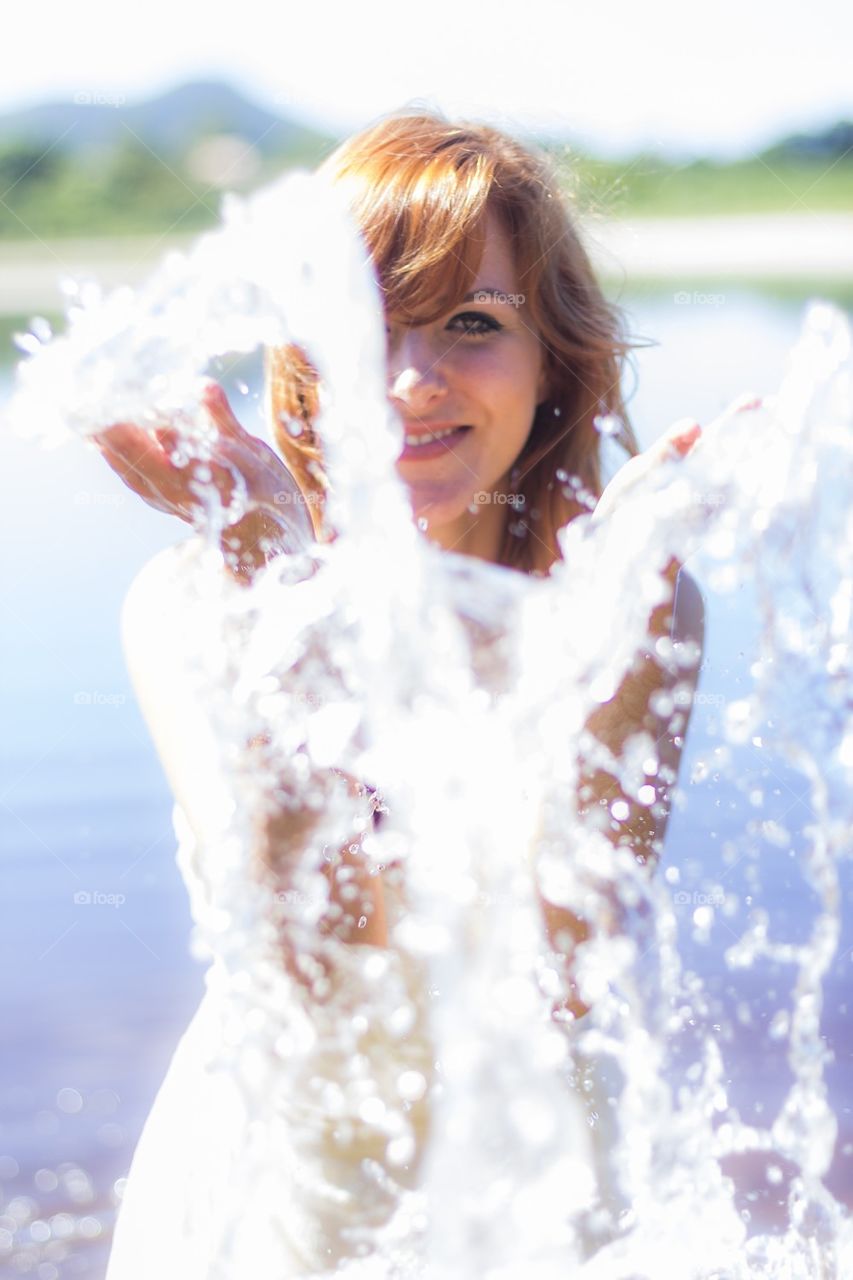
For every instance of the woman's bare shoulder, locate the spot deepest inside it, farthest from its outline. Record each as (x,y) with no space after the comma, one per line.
(157,585)
(162,612)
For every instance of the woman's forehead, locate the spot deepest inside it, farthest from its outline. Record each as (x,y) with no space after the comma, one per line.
(497,270)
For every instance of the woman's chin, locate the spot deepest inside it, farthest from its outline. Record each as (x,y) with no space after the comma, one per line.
(435,506)
(435,518)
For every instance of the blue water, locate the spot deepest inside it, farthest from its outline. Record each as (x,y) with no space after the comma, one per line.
(96,992)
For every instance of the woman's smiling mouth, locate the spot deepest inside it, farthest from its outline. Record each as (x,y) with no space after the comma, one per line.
(429,442)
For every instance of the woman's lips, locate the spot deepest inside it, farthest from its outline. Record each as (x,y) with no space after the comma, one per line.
(431,448)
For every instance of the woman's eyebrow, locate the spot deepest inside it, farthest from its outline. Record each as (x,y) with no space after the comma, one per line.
(486,293)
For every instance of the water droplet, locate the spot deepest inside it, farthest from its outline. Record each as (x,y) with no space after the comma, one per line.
(26,342)
(780,1025)
(40,1231)
(703,918)
(41,328)
(607,424)
(699,772)
(411,1086)
(401,1149)
(661,704)
(70,1101)
(372,1111)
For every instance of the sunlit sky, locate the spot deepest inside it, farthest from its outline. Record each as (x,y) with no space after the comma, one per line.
(721,78)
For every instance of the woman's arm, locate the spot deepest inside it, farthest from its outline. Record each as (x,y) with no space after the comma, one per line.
(638,707)
(655,698)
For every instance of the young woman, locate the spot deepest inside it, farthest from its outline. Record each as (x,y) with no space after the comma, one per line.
(504,363)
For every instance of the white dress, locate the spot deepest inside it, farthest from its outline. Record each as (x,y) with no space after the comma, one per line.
(278,1143)
(291,1133)
(239,1172)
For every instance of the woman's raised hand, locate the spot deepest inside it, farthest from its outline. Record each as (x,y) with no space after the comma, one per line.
(676,443)
(273,517)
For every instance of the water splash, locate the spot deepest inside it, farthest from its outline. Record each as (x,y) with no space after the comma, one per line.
(420,1109)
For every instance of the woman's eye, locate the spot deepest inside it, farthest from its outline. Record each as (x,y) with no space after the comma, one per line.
(475,323)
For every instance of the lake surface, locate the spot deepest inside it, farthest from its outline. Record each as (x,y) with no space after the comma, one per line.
(98,982)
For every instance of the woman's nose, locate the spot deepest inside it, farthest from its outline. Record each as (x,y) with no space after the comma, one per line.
(415,371)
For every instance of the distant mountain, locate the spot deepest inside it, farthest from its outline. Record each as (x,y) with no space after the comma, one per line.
(832,143)
(171,123)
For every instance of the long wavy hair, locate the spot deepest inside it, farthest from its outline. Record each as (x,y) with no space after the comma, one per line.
(420,188)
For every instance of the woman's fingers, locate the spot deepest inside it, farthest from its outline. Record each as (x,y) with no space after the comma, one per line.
(265,474)
(745,403)
(680,439)
(148,462)
(674,444)
(128,451)
(216,403)
(167,438)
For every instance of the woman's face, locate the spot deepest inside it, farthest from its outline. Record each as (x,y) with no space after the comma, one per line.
(477,372)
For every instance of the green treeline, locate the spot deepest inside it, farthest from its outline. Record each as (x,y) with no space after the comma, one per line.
(129,189)
(770,183)
(120,190)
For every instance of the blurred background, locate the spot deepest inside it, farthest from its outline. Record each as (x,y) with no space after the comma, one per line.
(709,157)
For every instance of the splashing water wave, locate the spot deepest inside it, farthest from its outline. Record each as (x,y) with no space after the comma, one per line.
(419,1110)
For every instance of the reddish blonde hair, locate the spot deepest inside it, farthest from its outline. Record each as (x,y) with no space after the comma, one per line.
(419,188)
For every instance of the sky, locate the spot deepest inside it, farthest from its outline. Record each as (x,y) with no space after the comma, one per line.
(720,78)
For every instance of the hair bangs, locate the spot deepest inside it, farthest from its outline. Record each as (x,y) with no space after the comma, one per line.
(423,221)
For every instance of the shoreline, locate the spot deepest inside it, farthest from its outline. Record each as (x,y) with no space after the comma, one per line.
(756,248)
